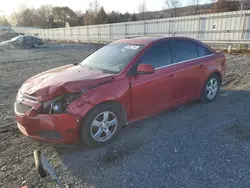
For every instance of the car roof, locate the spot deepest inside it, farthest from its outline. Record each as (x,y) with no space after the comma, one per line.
(138,40)
(28,36)
(149,40)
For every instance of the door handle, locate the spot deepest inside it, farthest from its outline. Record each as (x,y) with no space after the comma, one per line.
(171,75)
(201,65)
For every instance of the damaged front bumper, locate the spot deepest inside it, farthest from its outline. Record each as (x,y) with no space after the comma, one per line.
(57,128)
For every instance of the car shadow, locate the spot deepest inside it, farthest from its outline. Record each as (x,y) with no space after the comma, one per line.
(81,161)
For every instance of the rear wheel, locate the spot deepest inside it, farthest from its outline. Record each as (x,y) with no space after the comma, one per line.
(211,88)
(26,46)
(102,125)
(36,45)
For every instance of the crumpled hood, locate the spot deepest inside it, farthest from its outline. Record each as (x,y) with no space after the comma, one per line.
(66,79)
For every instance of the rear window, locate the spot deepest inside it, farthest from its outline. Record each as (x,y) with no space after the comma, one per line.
(203,51)
(184,50)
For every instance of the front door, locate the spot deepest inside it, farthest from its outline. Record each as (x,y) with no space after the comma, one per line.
(152,92)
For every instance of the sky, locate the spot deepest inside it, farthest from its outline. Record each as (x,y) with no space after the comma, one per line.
(8,6)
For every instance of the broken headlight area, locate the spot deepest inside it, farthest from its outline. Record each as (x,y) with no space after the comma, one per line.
(59,104)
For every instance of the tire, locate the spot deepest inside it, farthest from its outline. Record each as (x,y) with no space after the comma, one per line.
(26,46)
(89,131)
(36,45)
(11,46)
(205,97)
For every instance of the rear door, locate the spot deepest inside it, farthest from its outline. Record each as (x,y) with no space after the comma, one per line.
(191,69)
(207,57)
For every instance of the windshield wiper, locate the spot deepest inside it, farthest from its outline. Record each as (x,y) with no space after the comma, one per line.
(92,68)
(108,72)
(95,69)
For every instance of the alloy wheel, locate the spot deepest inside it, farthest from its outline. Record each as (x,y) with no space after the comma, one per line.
(212,88)
(35,45)
(104,126)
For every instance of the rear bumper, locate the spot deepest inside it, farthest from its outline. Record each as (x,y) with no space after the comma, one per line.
(56,128)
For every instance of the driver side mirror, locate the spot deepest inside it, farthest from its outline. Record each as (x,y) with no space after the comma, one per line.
(145,69)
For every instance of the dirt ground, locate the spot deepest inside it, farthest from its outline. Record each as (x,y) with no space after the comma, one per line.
(196,145)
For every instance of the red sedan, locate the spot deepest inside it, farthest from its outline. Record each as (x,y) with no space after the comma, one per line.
(122,82)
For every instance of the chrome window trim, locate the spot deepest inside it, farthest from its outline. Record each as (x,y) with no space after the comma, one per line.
(183,61)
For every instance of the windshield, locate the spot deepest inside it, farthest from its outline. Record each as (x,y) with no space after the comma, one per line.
(15,38)
(113,57)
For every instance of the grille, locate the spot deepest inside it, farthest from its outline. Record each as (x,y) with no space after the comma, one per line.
(21,108)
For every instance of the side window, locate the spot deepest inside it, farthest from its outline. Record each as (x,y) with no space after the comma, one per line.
(158,55)
(184,50)
(203,51)
(20,39)
(28,38)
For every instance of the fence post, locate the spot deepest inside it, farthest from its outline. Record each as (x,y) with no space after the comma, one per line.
(78,32)
(71,33)
(145,28)
(126,30)
(110,31)
(88,34)
(169,26)
(199,27)
(99,33)
(243,26)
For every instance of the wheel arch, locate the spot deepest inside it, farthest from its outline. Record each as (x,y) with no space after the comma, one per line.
(112,102)
(218,74)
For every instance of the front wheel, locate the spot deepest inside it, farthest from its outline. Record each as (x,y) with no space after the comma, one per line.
(211,88)
(102,125)
(11,46)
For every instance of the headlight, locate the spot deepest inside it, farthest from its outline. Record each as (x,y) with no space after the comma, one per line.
(59,104)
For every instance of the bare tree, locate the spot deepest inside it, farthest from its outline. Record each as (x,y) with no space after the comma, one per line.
(142,8)
(172,5)
(16,18)
(102,17)
(94,8)
(91,13)
(45,13)
(4,20)
(225,6)
(194,6)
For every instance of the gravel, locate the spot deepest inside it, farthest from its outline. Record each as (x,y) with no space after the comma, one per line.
(195,145)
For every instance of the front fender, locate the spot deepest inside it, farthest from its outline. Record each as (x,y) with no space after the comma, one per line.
(117,91)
